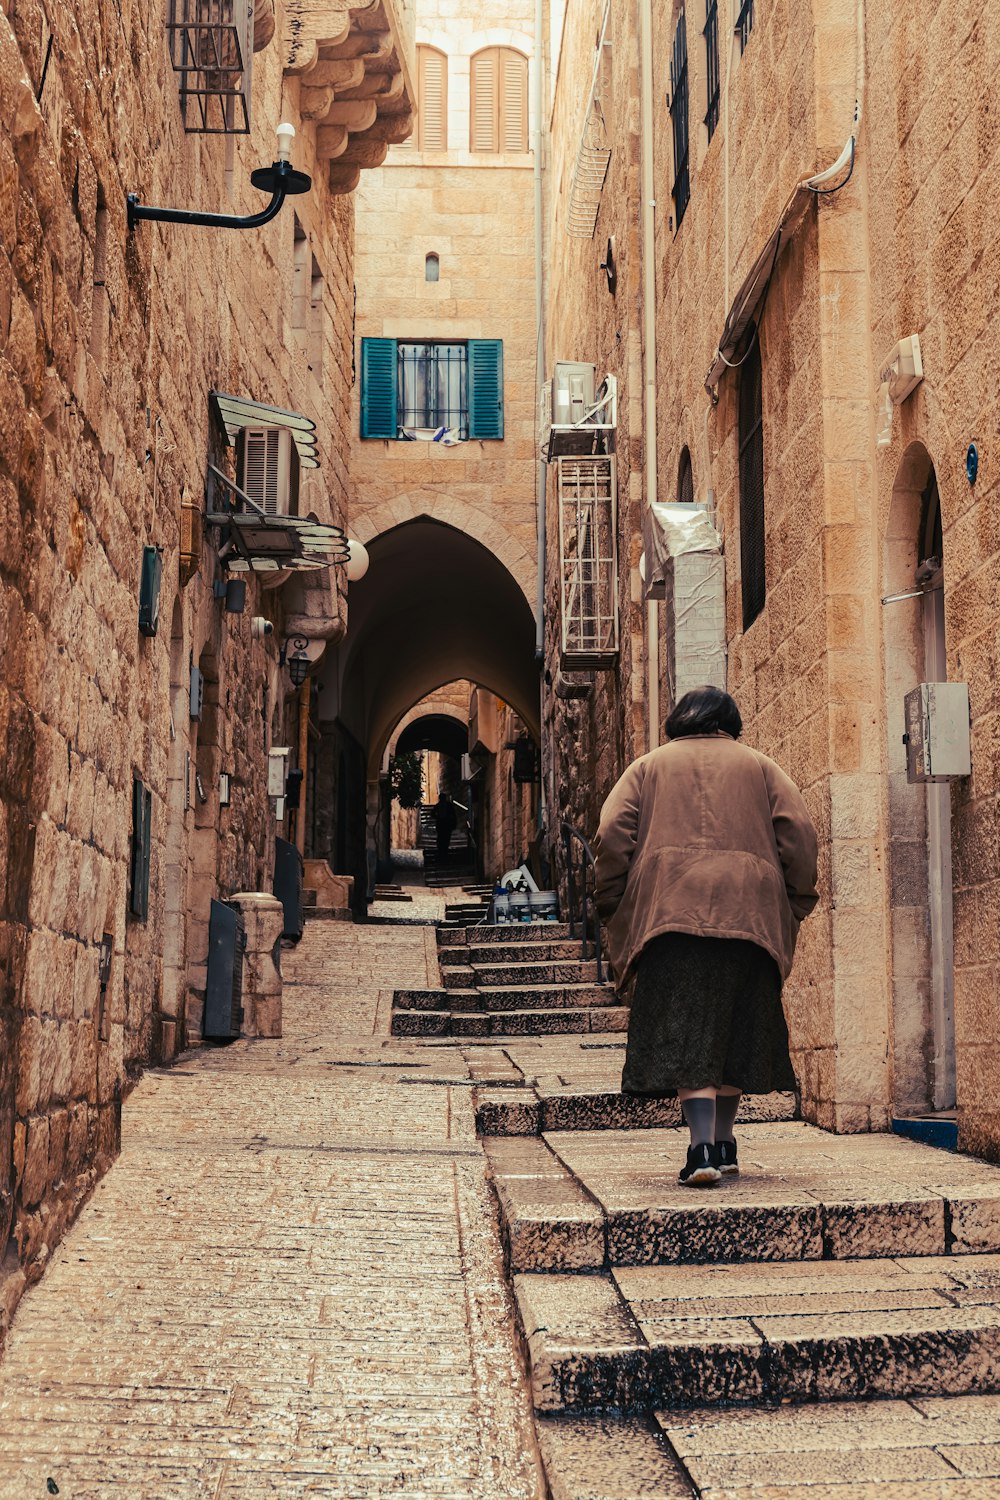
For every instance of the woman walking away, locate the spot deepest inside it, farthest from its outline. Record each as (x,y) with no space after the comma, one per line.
(706,865)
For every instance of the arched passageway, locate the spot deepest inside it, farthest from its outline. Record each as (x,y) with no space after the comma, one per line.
(438,732)
(435,606)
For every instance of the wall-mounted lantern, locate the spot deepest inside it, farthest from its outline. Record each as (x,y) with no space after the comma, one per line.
(295,656)
(357,563)
(280,179)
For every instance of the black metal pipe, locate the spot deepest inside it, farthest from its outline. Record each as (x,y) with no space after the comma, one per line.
(137,211)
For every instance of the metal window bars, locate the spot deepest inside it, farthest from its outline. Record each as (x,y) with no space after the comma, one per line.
(744,24)
(211,50)
(592,157)
(679,120)
(712,71)
(433,387)
(588,560)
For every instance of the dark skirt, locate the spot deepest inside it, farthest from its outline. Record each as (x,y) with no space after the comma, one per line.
(706,1012)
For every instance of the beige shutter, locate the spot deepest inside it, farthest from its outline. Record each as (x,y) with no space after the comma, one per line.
(432,99)
(513,100)
(483,113)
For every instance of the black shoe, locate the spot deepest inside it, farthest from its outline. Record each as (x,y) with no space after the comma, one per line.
(725,1158)
(700,1169)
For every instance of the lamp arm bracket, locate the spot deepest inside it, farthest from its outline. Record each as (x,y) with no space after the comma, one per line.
(280,179)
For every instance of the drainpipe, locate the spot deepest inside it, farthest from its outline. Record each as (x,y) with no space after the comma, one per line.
(649,343)
(539,105)
(300,815)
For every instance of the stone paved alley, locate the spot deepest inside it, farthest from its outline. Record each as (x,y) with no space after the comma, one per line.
(291,1283)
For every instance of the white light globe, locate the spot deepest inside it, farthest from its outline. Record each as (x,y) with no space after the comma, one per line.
(357,564)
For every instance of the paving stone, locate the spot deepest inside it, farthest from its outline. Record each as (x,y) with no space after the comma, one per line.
(584,1347)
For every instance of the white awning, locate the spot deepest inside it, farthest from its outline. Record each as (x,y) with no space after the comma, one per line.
(237,412)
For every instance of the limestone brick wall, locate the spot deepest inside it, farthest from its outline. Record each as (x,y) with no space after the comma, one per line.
(509,822)
(589,739)
(109,346)
(934,266)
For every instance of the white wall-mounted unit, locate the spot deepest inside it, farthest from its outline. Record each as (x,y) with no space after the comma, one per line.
(938,737)
(269,469)
(575,418)
(588,560)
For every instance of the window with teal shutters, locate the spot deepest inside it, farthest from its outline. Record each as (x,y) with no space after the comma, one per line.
(378,388)
(485,388)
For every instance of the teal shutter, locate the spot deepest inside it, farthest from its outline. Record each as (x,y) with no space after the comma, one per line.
(486,388)
(378,388)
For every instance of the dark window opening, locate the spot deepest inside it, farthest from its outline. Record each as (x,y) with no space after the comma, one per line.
(744,24)
(679,120)
(432,268)
(433,386)
(711,35)
(751,438)
(685,479)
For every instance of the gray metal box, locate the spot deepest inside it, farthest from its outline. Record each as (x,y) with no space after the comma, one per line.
(937,739)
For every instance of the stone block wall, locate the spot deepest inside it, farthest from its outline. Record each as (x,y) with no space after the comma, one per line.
(109,346)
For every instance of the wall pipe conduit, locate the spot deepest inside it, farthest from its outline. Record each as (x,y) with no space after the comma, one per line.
(649,344)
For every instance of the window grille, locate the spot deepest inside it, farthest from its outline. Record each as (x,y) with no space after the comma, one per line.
(685,478)
(588,560)
(433,385)
(448,391)
(211,51)
(751,438)
(744,24)
(679,119)
(711,35)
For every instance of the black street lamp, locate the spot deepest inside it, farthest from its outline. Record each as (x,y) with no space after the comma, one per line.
(280,179)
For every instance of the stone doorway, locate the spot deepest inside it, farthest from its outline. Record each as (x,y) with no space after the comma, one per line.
(920,873)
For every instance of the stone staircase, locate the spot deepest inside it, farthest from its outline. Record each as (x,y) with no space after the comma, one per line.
(454,867)
(525,979)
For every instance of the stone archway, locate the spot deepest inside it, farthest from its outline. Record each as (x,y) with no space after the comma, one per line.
(920,879)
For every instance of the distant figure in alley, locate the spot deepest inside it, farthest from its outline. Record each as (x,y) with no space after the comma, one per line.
(706,866)
(445,821)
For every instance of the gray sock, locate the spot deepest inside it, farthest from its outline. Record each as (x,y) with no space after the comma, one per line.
(726,1106)
(700,1117)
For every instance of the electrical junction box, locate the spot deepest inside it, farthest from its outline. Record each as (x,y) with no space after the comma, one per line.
(938,739)
(277,772)
(573,392)
(197,693)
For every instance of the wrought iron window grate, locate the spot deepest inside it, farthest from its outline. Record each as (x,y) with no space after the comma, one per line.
(679,120)
(211,51)
(711,35)
(588,560)
(433,386)
(744,24)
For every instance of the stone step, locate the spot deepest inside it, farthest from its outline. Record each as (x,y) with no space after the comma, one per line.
(407,1021)
(513,972)
(328,913)
(584,1199)
(531,1110)
(537,950)
(511,932)
(692,1336)
(545,996)
(397,896)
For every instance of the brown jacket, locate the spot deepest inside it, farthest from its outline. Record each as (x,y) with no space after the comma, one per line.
(709,837)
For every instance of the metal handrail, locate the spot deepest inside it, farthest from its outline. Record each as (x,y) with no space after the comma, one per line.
(587,898)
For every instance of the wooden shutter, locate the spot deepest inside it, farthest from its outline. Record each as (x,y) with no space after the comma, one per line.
(483,110)
(485,388)
(378,388)
(513,100)
(432,100)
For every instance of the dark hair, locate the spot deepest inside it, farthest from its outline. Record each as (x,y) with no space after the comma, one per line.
(705,710)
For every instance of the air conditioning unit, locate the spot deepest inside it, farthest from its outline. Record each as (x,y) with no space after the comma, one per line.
(268,470)
(572,392)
